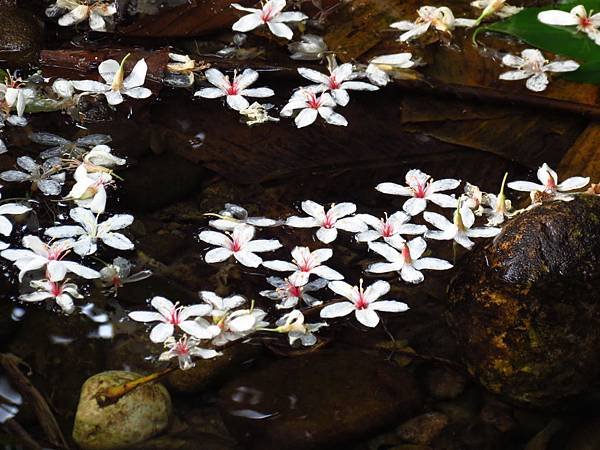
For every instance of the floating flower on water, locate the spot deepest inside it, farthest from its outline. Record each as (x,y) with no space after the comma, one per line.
(91,231)
(328,222)
(234,325)
(45,177)
(117,274)
(271,15)
(173,316)
(473,198)
(364,303)
(15,94)
(3,148)
(338,82)
(38,255)
(89,189)
(460,230)
(99,13)
(63,293)
(289,294)
(304,263)
(100,156)
(442,19)
(221,306)
(578,16)
(389,228)
(293,324)
(234,215)
(406,260)
(495,7)
(184,349)
(61,147)
(117,85)
(312,106)
(257,113)
(234,90)
(532,65)
(9,209)
(310,48)
(182,69)
(421,188)
(379,66)
(499,206)
(239,245)
(550,187)
(63,88)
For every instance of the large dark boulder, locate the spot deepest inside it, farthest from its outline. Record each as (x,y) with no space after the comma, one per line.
(526,307)
(21,35)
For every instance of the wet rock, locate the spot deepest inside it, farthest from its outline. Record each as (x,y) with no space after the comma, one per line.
(20,37)
(462,410)
(525,308)
(445,384)
(317,401)
(497,414)
(424,428)
(586,437)
(139,415)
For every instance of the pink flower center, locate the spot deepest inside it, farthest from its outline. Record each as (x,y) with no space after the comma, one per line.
(585,22)
(267,14)
(116,281)
(57,252)
(329,221)
(362,302)
(55,289)
(388,229)
(181,348)
(233,88)
(333,82)
(550,183)
(313,101)
(294,291)
(406,254)
(174,318)
(306,264)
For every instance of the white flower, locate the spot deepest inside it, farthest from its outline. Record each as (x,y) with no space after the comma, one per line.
(221,306)
(380,65)
(89,189)
(497,7)
(91,231)
(389,228)
(38,255)
(233,215)
(44,177)
(184,349)
(312,106)
(442,19)
(532,65)
(328,222)
(98,13)
(9,209)
(234,325)
(289,294)
(421,188)
(271,15)
(588,24)
(339,81)
(63,88)
(101,156)
(407,262)
(257,113)
(61,147)
(239,244)
(473,198)
(234,90)
(16,95)
(293,324)
(117,274)
(550,186)
(173,316)
(499,206)
(304,263)
(116,85)
(364,303)
(3,148)
(182,68)
(62,293)
(310,47)
(460,230)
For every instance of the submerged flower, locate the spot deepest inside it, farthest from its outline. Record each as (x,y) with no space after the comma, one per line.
(173,316)
(116,85)
(91,231)
(389,228)
(257,113)
(37,255)
(9,209)
(422,189)
(100,157)
(379,66)
(460,229)
(117,274)
(578,16)
(97,12)
(550,186)
(363,302)
(312,106)
(495,7)
(328,222)
(310,47)
(234,325)
(234,90)
(289,293)
(442,19)
(181,70)
(406,260)
(63,293)
(3,148)
(89,189)
(304,263)
(238,244)
(184,349)
(293,325)
(45,177)
(61,147)
(234,215)
(532,65)
(271,15)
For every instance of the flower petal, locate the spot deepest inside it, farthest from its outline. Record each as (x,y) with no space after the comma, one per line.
(367,317)
(338,309)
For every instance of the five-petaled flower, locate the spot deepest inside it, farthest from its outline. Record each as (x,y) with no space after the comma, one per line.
(99,13)
(550,187)
(173,316)
(389,228)
(578,16)
(421,188)
(312,106)
(406,260)
(271,15)
(532,65)
(289,294)
(63,293)
(364,302)
(45,177)
(183,349)
(16,95)
(328,222)
(442,19)
(304,263)
(234,90)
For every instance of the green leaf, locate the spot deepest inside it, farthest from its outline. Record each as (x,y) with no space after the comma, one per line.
(3,76)
(37,105)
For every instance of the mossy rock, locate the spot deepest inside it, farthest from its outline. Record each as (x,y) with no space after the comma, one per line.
(526,307)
